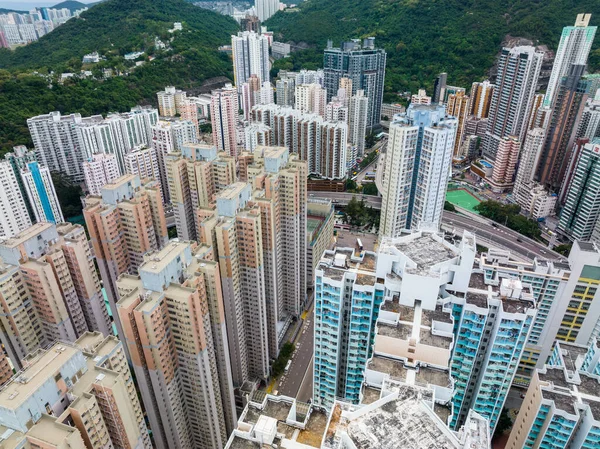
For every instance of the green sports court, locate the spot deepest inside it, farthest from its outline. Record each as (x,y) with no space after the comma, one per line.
(463,198)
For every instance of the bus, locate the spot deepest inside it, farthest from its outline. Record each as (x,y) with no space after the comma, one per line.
(287,366)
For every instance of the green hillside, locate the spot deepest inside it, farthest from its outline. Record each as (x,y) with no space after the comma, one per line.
(70,5)
(425,37)
(112,28)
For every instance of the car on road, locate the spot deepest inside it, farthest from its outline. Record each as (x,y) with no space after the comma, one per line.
(494,225)
(519,240)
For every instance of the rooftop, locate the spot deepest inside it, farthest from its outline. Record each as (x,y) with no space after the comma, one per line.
(438,341)
(589,385)
(403,420)
(42,366)
(570,353)
(556,376)
(48,430)
(594,407)
(562,401)
(425,251)
(432,376)
(156,261)
(438,314)
(26,234)
(394,368)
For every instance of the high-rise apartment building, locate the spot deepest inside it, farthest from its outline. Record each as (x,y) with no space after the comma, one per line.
(169,101)
(166,316)
(357,333)
(574,48)
(75,399)
(142,161)
(248,94)
(124,223)
(336,111)
(491,327)
(224,111)
(439,88)
(533,198)
(168,136)
(506,163)
(563,292)
(417,165)
(285,90)
(99,170)
(266,8)
(518,71)
(56,144)
(420,97)
(41,193)
(321,143)
(195,176)
(364,65)
(311,98)
(257,134)
(13,206)
(18,159)
(581,211)
(347,300)
(458,106)
(60,278)
(589,126)
(358,114)
(567,109)
(250,53)
(310,77)
(481,99)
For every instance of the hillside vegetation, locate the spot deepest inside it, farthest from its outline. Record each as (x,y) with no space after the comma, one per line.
(425,37)
(112,28)
(71,5)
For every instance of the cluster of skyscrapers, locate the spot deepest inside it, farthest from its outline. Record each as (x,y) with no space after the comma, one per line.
(416,343)
(20,29)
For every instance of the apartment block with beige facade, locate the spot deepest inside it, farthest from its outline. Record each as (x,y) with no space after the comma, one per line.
(125,222)
(195,176)
(71,397)
(168,313)
(60,279)
(20,331)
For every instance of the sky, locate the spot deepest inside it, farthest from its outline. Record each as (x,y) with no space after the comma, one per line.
(26,5)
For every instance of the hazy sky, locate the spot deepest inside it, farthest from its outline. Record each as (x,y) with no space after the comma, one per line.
(26,5)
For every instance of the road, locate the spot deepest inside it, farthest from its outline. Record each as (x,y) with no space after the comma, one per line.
(343,198)
(500,235)
(299,374)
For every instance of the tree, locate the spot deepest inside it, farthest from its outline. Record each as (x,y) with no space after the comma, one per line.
(370,140)
(370,189)
(350,185)
(564,249)
(355,212)
(449,206)
(69,195)
(504,423)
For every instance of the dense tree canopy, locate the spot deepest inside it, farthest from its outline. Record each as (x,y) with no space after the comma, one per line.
(508,215)
(426,37)
(113,28)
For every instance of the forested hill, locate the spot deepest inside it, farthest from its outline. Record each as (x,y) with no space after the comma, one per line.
(120,26)
(71,5)
(113,28)
(425,37)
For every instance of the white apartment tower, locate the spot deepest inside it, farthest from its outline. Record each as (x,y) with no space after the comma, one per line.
(56,143)
(358,115)
(518,72)
(169,101)
(417,167)
(311,98)
(250,57)
(41,193)
(224,116)
(574,47)
(13,209)
(266,8)
(99,170)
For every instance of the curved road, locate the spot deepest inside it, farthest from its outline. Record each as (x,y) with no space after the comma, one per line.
(501,235)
